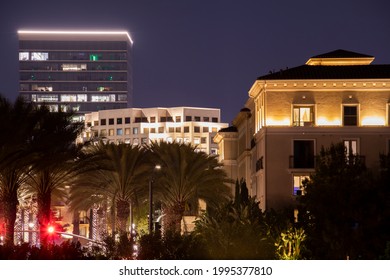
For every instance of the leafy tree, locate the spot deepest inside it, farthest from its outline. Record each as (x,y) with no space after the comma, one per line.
(338,206)
(236,230)
(188,175)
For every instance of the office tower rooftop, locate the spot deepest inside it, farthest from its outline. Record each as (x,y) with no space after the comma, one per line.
(82,71)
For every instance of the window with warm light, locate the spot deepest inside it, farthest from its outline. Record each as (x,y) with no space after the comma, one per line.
(298,184)
(303,115)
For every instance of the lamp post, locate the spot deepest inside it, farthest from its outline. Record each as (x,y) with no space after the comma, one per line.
(150,224)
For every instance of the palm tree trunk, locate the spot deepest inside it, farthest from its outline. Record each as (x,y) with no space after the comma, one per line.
(44,202)
(76,225)
(10,203)
(123,213)
(173,216)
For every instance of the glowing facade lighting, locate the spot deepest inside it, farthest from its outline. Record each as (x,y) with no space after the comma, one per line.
(373,121)
(70,32)
(323,121)
(277,122)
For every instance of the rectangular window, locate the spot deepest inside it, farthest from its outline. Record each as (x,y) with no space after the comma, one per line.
(74,67)
(118,120)
(161,129)
(103,122)
(171,129)
(303,116)
(205,129)
(135,130)
(303,154)
(203,140)
(111,121)
(163,119)
(127,120)
(350,115)
(298,186)
(178,129)
(103,133)
(153,130)
(197,119)
(169,119)
(188,118)
(214,119)
(39,56)
(351,147)
(178,118)
(152,119)
(196,129)
(196,141)
(186,129)
(24,56)
(110,132)
(146,130)
(81,97)
(119,131)
(127,131)
(206,119)
(68,97)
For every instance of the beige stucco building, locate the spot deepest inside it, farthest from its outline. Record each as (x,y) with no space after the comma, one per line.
(339,96)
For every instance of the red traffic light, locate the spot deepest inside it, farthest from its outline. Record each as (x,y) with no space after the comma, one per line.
(50,229)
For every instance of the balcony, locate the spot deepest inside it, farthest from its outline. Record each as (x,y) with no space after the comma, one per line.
(302,162)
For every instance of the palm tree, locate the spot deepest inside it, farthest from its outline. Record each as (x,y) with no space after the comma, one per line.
(17,122)
(119,179)
(187,176)
(55,164)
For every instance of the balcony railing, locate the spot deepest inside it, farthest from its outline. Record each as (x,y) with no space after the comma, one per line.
(304,162)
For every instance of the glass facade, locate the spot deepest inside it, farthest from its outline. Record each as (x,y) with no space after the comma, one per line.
(65,71)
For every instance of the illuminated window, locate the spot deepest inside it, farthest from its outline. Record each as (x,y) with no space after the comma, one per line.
(81,97)
(24,55)
(178,118)
(103,132)
(47,98)
(196,141)
(39,56)
(42,88)
(350,115)
(303,116)
(298,184)
(119,131)
(127,131)
(95,57)
(74,67)
(68,98)
(110,132)
(351,147)
(135,130)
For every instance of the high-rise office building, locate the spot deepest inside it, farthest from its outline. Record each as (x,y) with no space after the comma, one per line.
(83,71)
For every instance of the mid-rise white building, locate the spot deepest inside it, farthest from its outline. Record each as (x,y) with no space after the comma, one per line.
(137,126)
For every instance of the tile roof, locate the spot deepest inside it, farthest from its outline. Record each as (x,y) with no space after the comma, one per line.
(341,54)
(308,72)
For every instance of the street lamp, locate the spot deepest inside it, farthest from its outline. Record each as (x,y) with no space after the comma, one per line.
(150,225)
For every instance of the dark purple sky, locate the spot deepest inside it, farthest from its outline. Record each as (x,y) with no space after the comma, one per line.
(205,53)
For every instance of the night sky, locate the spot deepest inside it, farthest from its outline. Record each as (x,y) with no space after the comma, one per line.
(205,53)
